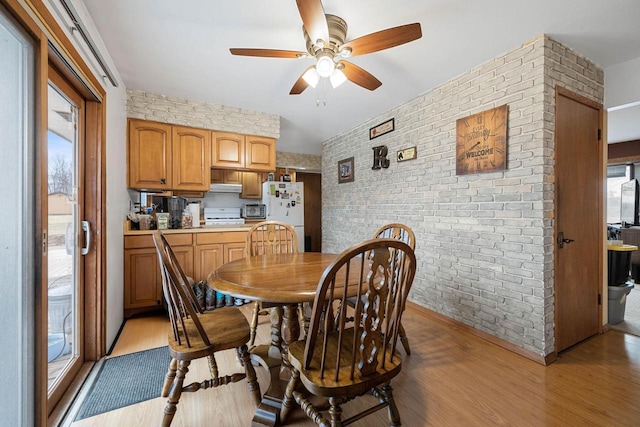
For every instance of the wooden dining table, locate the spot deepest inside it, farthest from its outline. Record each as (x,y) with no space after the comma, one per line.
(282,281)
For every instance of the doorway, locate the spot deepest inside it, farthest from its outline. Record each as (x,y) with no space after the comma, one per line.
(579,218)
(37,66)
(312,210)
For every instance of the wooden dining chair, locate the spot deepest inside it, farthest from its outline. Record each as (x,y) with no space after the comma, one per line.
(341,360)
(405,234)
(266,238)
(196,334)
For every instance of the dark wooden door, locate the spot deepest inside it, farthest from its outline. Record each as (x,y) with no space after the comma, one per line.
(312,210)
(579,219)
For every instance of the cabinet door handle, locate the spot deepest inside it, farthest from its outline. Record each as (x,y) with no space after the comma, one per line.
(163,180)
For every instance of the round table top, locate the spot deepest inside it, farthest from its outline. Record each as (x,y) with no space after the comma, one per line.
(281,278)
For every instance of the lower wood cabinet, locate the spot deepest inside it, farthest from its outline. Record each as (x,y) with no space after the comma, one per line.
(215,249)
(198,254)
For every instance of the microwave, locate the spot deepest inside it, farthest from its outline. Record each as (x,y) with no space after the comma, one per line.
(256,211)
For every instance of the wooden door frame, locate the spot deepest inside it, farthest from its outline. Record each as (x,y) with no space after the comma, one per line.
(36,19)
(560,91)
(66,90)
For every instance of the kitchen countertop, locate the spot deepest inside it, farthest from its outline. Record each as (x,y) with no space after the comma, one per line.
(204,229)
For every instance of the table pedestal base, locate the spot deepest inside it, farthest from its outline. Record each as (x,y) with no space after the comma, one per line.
(268,411)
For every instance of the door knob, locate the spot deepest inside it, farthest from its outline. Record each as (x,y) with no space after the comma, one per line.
(562,240)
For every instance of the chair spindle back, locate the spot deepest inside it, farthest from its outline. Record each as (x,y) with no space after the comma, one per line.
(182,303)
(271,237)
(385,269)
(397,231)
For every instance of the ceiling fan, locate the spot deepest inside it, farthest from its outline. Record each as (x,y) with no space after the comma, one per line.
(325,40)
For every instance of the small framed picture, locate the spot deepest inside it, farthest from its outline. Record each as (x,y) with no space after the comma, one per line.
(406,154)
(345,170)
(382,128)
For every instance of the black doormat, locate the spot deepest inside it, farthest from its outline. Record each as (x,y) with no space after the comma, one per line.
(125,380)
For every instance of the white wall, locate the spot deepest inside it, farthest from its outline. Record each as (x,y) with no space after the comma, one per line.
(623,83)
(117,198)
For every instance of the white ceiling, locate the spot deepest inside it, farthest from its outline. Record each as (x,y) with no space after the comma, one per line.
(181,48)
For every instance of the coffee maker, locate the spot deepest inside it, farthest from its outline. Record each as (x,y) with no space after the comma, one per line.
(175,206)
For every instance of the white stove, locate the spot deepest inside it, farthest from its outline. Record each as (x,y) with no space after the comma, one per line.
(222,216)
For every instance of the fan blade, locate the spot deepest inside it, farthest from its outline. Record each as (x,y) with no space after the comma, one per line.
(384,39)
(359,76)
(268,53)
(314,20)
(300,85)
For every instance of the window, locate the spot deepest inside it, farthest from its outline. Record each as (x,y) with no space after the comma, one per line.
(616,175)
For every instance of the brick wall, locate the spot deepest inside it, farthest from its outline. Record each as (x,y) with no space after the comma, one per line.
(298,161)
(168,109)
(178,111)
(484,241)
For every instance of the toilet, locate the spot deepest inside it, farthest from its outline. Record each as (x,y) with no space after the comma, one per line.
(617,301)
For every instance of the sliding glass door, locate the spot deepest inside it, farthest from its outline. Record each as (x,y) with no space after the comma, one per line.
(18,253)
(67,234)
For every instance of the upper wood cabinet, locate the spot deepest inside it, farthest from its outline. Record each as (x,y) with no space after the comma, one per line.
(166,157)
(252,185)
(235,151)
(191,158)
(227,150)
(226,176)
(149,155)
(260,153)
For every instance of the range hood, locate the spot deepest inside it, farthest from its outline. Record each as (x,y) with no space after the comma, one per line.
(225,188)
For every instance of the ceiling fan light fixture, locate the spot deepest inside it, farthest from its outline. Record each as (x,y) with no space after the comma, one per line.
(325,65)
(337,78)
(311,77)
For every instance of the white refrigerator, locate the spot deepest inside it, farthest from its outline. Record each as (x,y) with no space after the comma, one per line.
(285,202)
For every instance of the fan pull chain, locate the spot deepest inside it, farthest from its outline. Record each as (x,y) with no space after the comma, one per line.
(322,93)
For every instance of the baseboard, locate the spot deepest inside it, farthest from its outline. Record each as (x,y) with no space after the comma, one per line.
(543,360)
(115,340)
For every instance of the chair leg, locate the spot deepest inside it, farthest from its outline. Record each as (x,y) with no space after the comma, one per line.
(392,409)
(335,411)
(252,378)
(175,393)
(404,340)
(287,401)
(213,367)
(168,379)
(254,322)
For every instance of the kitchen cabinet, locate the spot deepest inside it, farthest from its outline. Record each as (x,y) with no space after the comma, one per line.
(142,279)
(166,157)
(227,150)
(149,155)
(190,158)
(251,181)
(226,176)
(260,153)
(198,252)
(233,251)
(252,185)
(215,249)
(246,152)
(208,258)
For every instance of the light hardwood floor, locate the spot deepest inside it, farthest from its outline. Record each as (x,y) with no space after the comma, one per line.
(452,378)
